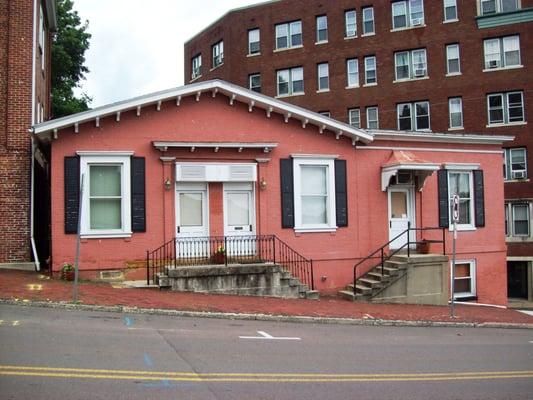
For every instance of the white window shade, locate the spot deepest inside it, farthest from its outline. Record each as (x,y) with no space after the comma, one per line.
(210,172)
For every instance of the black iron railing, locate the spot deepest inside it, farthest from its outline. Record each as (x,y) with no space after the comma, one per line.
(224,250)
(382,255)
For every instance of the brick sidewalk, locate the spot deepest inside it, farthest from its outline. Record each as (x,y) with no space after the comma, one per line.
(23,285)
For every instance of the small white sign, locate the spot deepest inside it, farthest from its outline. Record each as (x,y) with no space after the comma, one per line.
(455,215)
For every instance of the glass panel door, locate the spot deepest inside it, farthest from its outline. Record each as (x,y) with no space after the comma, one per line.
(191,224)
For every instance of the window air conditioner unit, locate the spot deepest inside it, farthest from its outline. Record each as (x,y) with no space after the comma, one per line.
(494,64)
(416,21)
(518,174)
(420,72)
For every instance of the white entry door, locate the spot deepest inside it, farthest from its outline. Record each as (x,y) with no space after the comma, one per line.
(192,229)
(401,212)
(239,218)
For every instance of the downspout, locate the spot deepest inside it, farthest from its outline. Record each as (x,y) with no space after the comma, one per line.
(33,144)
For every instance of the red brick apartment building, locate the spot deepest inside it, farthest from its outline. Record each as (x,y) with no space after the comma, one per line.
(417,65)
(25,38)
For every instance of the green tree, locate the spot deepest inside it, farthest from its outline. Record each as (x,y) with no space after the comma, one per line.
(68,56)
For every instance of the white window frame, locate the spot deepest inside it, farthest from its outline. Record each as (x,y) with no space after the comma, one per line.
(502,44)
(512,230)
(413,114)
(289,27)
(196,67)
(325,113)
(217,52)
(410,21)
(411,65)
(449,47)
(251,86)
(471,224)
(368,81)
(322,71)
(251,41)
(349,32)
(352,76)
(290,82)
(88,159)
(505,105)
(331,224)
(473,290)
(498,6)
(319,18)
(367,19)
(450,4)
(354,117)
(458,101)
(368,120)
(509,171)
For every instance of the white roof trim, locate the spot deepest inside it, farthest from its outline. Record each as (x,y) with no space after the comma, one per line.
(413,136)
(267,147)
(461,166)
(232,91)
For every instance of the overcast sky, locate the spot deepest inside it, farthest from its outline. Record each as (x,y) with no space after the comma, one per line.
(137,45)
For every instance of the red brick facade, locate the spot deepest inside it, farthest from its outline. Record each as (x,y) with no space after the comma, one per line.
(16,80)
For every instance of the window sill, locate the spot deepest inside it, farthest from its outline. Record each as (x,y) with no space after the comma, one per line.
(350,37)
(518,239)
(503,68)
(516,180)
(314,230)
(463,228)
(450,21)
(282,96)
(457,128)
(352,87)
(253,55)
(465,297)
(370,84)
(195,78)
(410,79)
(104,235)
(322,91)
(406,28)
(499,125)
(216,67)
(454,74)
(321,42)
(287,48)
(368,34)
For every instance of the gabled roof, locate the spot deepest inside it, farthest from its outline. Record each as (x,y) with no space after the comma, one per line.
(215,87)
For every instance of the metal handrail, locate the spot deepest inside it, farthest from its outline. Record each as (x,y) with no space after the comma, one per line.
(408,244)
(217,250)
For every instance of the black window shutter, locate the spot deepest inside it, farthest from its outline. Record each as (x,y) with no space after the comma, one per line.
(341,197)
(138,197)
(479,198)
(442,178)
(287,193)
(72,193)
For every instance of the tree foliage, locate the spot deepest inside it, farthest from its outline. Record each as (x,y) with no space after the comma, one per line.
(68,57)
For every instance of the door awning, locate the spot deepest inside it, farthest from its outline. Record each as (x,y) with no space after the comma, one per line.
(401,160)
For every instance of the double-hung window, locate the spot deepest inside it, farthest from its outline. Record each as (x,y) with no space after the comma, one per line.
(354,117)
(464,283)
(488,7)
(106,202)
(323,76)
(413,116)
(503,52)
(350,23)
(218,54)
(254,82)
(368,21)
(505,108)
(453,60)
(410,64)
(314,193)
(370,70)
(196,66)
(460,184)
(254,41)
(515,163)
(455,106)
(352,72)
(407,13)
(372,117)
(321,29)
(290,81)
(520,219)
(450,10)
(289,35)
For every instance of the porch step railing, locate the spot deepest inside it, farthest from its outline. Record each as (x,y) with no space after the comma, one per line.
(379,256)
(224,250)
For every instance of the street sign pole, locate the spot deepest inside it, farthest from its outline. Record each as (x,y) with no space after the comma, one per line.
(455,218)
(78,239)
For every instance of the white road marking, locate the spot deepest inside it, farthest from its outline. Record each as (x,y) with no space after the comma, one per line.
(528,312)
(266,336)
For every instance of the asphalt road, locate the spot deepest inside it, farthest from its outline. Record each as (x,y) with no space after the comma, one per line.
(62,354)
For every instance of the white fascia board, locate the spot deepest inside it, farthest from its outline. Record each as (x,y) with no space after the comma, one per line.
(51,15)
(241,94)
(440,137)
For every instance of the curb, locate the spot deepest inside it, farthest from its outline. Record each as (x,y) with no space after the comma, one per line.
(264,317)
